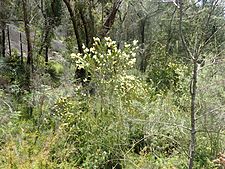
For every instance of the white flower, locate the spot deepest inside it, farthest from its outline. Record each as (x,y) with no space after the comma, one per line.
(108,39)
(96,39)
(133,54)
(109,52)
(95,57)
(86,50)
(85,56)
(76,56)
(125,55)
(109,44)
(130,77)
(73,55)
(132,62)
(92,49)
(126,45)
(80,66)
(135,42)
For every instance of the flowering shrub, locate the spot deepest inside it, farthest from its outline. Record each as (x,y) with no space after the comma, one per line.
(112,72)
(104,60)
(119,92)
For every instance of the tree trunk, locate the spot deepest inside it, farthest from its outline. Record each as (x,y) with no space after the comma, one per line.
(46,54)
(27,32)
(3,38)
(46,35)
(21,48)
(0,44)
(3,41)
(85,25)
(92,29)
(75,27)
(193,88)
(143,63)
(9,42)
(193,91)
(111,18)
(47,38)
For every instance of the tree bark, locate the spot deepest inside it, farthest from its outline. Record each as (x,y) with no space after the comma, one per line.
(49,24)
(47,37)
(193,91)
(75,27)
(27,32)
(9,42)
(143,63)
(3,21)
(85,25)
(0,44)
(92,22)
(111,18)
(3,41)
(21,49)
(46,53)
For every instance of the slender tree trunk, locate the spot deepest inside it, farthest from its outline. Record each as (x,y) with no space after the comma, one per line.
(42,41)
(88,24)
(85,25)
(21,48)
(3,41)
(47,39)
(87,19)
(27,32)
(75,27)
(46,54)
(111,18)
(0,44)
(29,67)
(2,28)
(46,35)
(3,38)
(9,42)
(92,22)
(193,91)
(143,63)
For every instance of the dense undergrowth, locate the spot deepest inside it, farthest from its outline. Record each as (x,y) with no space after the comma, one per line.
(121,118)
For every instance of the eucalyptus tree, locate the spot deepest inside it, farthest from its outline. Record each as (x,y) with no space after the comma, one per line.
(183,31)
(26,19)
(152,24)
(199,28)
(84,16)
(52,12)
(4,16)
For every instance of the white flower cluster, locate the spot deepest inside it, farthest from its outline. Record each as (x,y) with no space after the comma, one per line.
(128,85)
(105,57)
